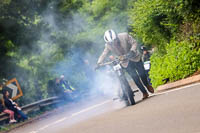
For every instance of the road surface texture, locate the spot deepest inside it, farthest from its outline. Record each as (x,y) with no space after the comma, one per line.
(174,111)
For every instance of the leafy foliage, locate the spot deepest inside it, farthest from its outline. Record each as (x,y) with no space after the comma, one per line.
(181,60)
(156,22)
(41,39)
(172,27)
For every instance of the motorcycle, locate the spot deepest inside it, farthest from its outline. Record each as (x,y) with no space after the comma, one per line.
(128,94)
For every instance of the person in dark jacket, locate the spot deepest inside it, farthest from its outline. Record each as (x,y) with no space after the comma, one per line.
(146,55)
(13,106)
(64,84)
(146,61)
(7,111)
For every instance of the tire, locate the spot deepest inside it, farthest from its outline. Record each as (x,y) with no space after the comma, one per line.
(128,91)
(130,96)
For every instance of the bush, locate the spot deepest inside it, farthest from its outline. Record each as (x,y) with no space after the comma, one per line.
(157,22)
(149,21)
(181,59)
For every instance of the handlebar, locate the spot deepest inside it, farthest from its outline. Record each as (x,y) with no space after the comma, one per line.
(115,61)
(104,64)
(118,59)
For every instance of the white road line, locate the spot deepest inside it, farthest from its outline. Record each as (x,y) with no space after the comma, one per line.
(90,108)
(97,105)
(33,132)
(54,123)
(42,128)
(177,89)
(74,114)
(61,120)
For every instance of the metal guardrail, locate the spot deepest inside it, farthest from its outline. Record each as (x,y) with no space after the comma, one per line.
(33,106)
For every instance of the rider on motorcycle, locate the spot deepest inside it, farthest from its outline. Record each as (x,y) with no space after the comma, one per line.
(125,47)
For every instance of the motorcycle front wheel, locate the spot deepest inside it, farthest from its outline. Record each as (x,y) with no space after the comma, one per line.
(128,91)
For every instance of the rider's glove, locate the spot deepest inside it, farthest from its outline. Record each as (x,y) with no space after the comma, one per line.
(130,54)
(127,56)
(122,57)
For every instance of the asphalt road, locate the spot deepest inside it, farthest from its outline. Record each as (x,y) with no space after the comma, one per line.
(175,111)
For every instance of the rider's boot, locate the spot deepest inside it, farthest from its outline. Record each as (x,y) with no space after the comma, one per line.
(145,96)
(150,89)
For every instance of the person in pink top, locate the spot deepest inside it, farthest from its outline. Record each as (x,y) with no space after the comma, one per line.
(7,111)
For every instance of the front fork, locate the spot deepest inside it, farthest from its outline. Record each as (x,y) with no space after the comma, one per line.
(124,83)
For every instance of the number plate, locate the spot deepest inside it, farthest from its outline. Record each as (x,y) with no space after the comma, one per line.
(147,65)
(117,67)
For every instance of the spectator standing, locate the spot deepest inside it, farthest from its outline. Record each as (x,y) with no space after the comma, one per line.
(146,55)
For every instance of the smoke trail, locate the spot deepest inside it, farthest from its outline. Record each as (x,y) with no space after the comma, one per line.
(64,47)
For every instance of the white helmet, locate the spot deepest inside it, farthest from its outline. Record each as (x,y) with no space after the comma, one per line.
(62,76)
(110,36)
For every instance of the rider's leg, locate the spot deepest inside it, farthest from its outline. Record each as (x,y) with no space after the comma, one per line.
(132,72)
(141,71)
